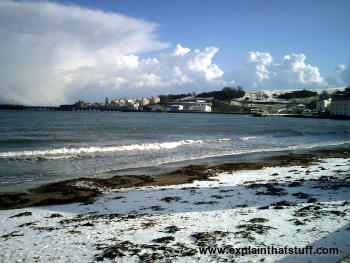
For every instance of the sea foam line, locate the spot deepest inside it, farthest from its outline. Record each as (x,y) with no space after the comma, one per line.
(96,149)
(241,152)
(230,153)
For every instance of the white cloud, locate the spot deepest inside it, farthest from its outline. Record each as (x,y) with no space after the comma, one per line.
(53,54)
(259,71)
(201,61)
(130,61)
(180,51)
(296,72)
(344,72)
(48,51)
(176,70)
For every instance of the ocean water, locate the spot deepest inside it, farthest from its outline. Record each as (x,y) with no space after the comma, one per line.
(40,146)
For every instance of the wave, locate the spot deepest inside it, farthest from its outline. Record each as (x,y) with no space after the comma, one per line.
(96,149)
(231,153)
(280,149)
(248,138)
(68,153)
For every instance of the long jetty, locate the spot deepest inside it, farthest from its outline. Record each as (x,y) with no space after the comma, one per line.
(52,108)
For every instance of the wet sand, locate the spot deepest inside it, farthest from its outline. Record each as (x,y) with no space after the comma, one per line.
(84,190)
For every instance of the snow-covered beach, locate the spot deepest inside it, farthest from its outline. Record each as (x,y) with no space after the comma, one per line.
(293,206)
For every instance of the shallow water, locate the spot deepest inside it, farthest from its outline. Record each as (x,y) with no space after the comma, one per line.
(38,147)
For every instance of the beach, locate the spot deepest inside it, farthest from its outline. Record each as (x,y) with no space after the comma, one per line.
(284,202)
(174,131)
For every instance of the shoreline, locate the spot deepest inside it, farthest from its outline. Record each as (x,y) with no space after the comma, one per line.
(293,201)
(85,190)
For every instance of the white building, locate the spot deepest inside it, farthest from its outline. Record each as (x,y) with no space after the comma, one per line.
(134,106)
(341,105)
(116,104)
(143,101)
(154,100)
(323,105)
(202,108)
(176,107)
(199,106)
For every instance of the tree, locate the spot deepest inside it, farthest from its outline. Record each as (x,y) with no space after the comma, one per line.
(324,96)
(227,89)
(297,94)
(227,93)
(336,92)
(312,105)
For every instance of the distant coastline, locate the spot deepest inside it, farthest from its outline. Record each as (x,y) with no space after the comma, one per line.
(104,109)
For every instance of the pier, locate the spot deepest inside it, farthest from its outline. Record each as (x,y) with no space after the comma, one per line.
(48,108)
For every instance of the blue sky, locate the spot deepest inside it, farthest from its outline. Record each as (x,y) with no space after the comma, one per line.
(56,52)
(320,28)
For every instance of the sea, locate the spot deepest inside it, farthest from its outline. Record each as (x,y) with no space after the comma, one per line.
(38,147)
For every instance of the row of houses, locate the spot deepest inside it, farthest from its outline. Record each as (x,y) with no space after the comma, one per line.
(180,106)
(132,104)
(338,105)
(153,104)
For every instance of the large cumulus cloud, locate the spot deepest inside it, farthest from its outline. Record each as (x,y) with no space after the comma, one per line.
(49,51)
(259,71)
(52,54)
(178,69)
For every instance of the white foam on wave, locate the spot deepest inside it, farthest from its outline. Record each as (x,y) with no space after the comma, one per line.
(247,138)
(61,153)
(67,153)
(279,149)
(230,153)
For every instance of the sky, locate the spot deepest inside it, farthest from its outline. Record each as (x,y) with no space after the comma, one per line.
(55,52)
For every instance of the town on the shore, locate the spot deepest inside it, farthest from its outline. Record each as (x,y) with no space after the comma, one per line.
(303,102)
(331,102)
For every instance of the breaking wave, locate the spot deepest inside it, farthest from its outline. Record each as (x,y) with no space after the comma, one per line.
(247,138)
(241,152)
(228,153)
(69,153)
(72,152)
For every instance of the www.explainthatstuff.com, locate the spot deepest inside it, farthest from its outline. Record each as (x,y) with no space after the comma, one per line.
(269,250)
